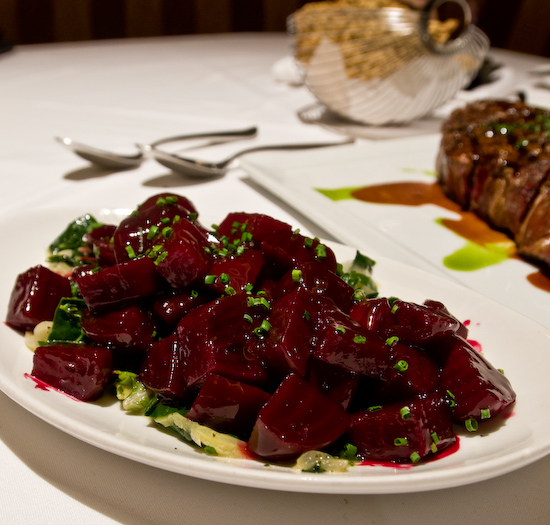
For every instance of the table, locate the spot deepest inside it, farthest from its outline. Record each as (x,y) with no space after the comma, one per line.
(113,94)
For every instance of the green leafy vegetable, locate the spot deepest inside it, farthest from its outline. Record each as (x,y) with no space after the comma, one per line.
(67,322)
(135,396)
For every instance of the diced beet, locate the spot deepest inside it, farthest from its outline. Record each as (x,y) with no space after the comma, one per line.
(343,342)
(130,327)
(394,432)
(228,406)
(410,372)
(320,281)
(145,228)
(119,285)
(413,323)
(156,202)
(35,296)
(290,250)
(335,382)
(79,370)
(102,247)
(212,339)
(297,418)
(258,225)
(184,260)
(478,390)
(240,270)
(172,306)
(161,370)
(287,345)
(462,330)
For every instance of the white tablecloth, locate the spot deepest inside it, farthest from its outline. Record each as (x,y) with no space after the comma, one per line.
(113,94)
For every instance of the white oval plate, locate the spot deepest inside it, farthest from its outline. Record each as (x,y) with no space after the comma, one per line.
(510,341)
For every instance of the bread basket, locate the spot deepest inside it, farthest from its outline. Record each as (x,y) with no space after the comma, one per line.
(385,65)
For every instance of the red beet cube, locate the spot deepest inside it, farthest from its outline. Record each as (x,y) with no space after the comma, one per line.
(343,342)
(297,418)
(236,271)
(119,285)
(162,369)
(228,406)
(258,226)
(79,370)
(287,345)
(183,259)
(477,389)
(35,296)
(407,430)
(212,339)
(335,382)
(290,250)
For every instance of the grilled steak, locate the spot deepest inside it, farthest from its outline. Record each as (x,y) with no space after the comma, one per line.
(494,160)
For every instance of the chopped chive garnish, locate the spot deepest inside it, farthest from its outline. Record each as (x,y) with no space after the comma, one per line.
(415,457)
(153,230)
(401,365)
(434,437)
(194,294)
(296,275)
(374,408)
(248,288)
(433,448)
(340,330)
(360,339)
(172,199)
(165,220)
(161,201)
(471,424)
(400,442)
(308,242)
(192,217)
(130,251)
(405,413)
(485,413)
(166,232)
(224,278)
(320,251)
(247,318)
(209,279)
(394,308)
(391,340)
(307,315)
(229,290)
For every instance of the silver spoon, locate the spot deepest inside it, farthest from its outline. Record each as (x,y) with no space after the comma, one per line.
(110,160)
(201,168)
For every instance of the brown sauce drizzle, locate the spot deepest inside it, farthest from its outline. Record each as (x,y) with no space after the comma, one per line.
(468,226)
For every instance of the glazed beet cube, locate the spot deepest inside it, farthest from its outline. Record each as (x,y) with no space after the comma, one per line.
(477,389)
(161,369)
(408,430)
(79,370)
(228,406)
(172,306)
(343,342)
(320,281)
(297,418)
(462,330)
(259,226)
(145,228)
(410,372)
(212,339)
(413,323)
(236,271)
(100,240)
(287,345)
(184,259)
(290,250)
(35,296)
(335,382)
(119,285)
(130,327)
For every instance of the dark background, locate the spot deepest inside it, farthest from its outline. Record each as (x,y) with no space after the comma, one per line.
(519,25)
